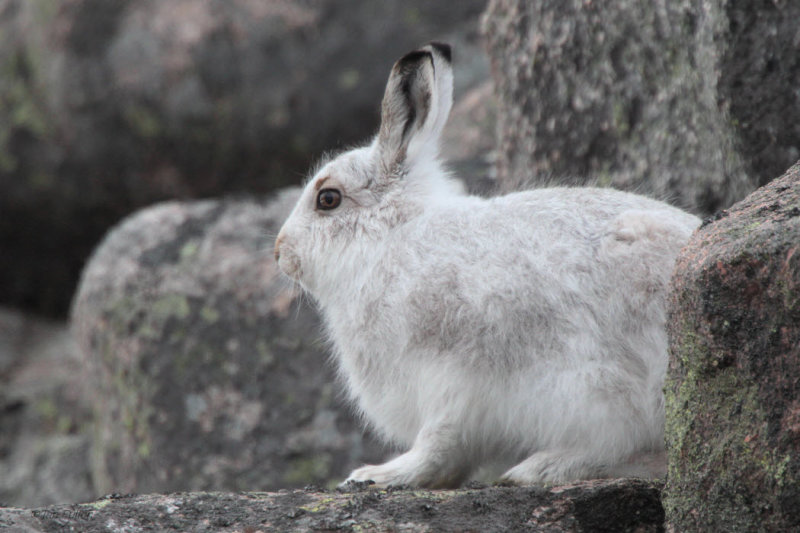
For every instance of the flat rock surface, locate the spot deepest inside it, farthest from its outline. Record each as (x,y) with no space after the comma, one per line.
(609,505)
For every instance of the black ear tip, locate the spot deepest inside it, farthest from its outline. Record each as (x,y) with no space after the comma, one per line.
(444,49)
(412,58)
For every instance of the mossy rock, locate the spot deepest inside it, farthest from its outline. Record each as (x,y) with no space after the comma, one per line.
(733,387)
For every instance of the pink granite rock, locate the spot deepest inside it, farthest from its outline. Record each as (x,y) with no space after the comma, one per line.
(733,387)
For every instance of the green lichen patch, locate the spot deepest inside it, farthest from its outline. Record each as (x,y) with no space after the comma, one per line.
(21,106)
(97,505)
(170,306)
(303,469)
(323,504)
(209,314)
(189,250)
(142,121)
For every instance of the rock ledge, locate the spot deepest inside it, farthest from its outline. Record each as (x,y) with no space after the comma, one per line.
(604,505)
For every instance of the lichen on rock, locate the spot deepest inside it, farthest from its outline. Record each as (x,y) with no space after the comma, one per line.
(733,386)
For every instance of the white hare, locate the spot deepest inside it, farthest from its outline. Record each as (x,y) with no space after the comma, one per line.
(523,331)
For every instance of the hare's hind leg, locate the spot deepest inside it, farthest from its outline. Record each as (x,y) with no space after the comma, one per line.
(569,465)
(436,460)
(554,466)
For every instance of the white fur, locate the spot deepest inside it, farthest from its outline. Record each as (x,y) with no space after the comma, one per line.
(526,330)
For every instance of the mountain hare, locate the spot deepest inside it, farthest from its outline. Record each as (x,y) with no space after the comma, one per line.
(526,329)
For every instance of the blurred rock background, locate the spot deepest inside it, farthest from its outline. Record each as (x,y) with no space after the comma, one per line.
(108,107)
(191,365)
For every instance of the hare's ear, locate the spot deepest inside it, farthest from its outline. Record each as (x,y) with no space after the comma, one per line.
(415,107)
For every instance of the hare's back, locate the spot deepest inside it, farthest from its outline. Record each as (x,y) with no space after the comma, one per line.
(553,241)
(589,207)
(562,218)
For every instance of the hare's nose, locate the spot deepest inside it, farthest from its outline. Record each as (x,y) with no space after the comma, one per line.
(278,248)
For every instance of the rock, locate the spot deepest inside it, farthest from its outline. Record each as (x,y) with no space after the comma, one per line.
(12,326)
(45,417)
(618,505)
(106,107)
(210,369)
(468,140)
(733,385)
(669,98)
(759,66)
(47,468)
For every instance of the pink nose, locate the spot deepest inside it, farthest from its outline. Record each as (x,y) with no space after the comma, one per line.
(278,248)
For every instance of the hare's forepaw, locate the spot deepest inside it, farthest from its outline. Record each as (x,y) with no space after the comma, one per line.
(415,469)
(380,476)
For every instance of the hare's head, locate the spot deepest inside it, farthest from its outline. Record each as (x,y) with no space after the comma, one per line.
(355,199)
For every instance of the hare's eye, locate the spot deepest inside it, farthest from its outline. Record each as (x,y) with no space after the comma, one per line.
(328,199)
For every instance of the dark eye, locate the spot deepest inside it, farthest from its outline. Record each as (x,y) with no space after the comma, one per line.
(328,199)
